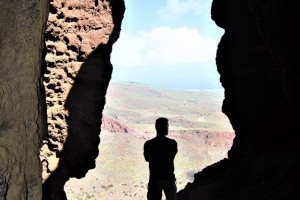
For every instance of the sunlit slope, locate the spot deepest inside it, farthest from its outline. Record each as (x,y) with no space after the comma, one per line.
(138,106)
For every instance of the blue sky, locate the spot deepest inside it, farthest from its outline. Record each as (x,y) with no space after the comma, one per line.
(169,44)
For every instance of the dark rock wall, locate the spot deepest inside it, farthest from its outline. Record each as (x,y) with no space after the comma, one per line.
(79,39)
(258,60)
(22,113)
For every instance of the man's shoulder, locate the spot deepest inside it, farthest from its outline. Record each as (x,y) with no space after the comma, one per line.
(171,140)
(149,141)
(160,140)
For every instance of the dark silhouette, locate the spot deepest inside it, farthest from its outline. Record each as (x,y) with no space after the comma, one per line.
(160,153)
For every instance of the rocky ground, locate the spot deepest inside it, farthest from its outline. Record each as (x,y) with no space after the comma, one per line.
(122,173)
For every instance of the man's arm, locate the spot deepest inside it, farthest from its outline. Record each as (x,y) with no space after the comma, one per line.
(146,152)
(175,149)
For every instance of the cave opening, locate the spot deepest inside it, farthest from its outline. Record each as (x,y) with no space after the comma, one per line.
(139,93)
(262,89)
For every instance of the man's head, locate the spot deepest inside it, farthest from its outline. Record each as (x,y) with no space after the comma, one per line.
(162,126)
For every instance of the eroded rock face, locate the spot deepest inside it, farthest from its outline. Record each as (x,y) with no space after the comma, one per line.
(79,39)
(258,60)
(74,30)
(114,126)
(22,112)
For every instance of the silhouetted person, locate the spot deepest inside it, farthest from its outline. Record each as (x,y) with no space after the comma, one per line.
(160,153)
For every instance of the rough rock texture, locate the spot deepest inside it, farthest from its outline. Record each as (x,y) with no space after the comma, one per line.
(114,126)
(258,60)
(79,39)
(74,29)
(22,113)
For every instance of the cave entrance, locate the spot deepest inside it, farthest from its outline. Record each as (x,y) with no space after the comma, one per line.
(163,66)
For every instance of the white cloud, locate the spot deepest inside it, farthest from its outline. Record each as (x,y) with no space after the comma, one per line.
(164,46)
(177,8)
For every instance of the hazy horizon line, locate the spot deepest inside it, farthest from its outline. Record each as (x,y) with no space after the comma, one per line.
(166,87)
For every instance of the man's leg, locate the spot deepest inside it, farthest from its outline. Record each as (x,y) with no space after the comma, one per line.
(154,191)
(170,190)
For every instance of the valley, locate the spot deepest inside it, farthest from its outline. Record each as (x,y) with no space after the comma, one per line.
(202,131)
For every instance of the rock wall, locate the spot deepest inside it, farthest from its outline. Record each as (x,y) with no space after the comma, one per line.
(22,111)
(79,39)
(258,60)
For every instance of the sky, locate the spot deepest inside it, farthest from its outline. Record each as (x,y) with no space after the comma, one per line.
(169,44)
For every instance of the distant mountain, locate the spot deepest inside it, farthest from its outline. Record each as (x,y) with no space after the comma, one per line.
(137,106)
